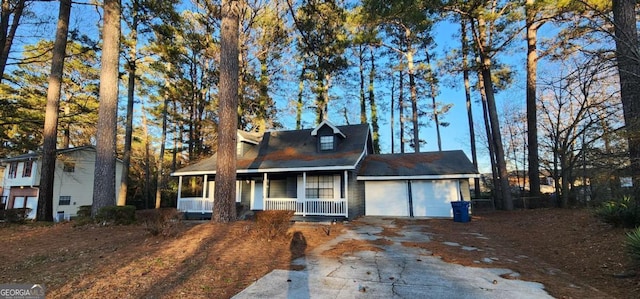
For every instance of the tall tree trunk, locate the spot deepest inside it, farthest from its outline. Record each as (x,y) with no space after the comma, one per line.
(414,102)
(432,89)
(224,208)
(47,174)
(507,203)
(325,94)
(7,34)
(467,93)
(300,103)
(393,109)
(128,136)
(363,103)
(373,106)
(320,98)
(66,128)
(104,184)
(628,60)
(263,90)
(532,118)
(163,140)
(177,144)
(485,68)
(146,190)
(131,86)
(497,197)
(401,111)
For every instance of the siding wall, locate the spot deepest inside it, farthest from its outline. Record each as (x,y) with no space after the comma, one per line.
(79,183)
(356,195)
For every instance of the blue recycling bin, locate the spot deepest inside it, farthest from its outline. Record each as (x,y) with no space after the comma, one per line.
(461,211)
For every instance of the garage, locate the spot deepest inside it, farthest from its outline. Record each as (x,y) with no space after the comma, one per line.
(386,198)
(415,185)
(417,198)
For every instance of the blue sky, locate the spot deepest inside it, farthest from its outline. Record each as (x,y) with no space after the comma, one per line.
(454,137)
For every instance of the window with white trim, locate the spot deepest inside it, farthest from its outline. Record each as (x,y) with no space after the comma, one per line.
(319,187)
(13,170)
(326,143)
(26,170)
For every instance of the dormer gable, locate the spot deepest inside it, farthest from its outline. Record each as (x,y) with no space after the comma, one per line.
(327,136)
(246,141)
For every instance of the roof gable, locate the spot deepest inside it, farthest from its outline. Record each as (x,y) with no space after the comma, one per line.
(248,137)
(335,130)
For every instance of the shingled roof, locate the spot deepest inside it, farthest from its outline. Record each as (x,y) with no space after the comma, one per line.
(295,150)
(38,154)
(417,165)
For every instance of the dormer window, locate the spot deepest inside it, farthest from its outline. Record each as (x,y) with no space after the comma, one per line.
(326,134)
(326,143)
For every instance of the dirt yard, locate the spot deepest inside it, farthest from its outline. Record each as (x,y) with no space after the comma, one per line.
(570,251)
(567,250)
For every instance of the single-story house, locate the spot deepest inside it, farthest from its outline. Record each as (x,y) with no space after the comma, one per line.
(331,171)
(72,182)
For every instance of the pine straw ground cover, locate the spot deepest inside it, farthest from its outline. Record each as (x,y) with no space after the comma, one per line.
(203,260)
(569,251)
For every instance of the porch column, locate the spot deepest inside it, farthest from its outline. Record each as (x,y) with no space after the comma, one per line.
(346,194)
(304,193)
(265,182)
(179,191)
(204,194)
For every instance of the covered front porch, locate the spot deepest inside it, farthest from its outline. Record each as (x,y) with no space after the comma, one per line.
(305,193)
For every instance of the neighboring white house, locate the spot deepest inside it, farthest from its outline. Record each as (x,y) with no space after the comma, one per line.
(73,181)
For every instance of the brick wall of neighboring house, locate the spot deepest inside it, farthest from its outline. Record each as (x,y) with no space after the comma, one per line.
(17,192)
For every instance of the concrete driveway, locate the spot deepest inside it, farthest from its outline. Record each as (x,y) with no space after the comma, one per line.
(395,271)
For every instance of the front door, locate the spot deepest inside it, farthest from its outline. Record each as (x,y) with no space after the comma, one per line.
(32,203)
(257,202)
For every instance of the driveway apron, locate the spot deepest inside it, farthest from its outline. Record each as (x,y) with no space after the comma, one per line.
(390,271)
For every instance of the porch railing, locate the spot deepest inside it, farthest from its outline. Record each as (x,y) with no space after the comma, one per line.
(308,207)
(195,205)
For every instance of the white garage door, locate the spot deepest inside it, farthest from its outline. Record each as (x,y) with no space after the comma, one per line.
(429,198)
(386,198)
(433,198)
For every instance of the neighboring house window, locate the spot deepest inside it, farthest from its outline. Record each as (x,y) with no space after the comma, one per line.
(326,143)
(26,171)
(69,167)
(13,170)
(319,187)
(64,200)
